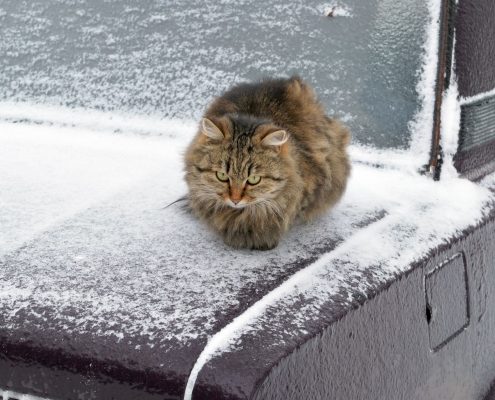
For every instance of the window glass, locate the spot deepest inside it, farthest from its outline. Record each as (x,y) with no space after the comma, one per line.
(171,57)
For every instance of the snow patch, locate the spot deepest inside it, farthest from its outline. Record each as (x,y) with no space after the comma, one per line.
(101,217)
(50,173)
(450,124)
(82,212)
(478,97)
(449,129)
(93,120)
(422,124)
(421,214)
(384,158)
(8,394)
(335,9)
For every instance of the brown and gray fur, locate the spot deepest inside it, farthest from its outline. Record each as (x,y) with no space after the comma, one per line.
(277,130)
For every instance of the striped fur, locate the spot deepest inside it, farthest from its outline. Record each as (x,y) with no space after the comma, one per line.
(301,178)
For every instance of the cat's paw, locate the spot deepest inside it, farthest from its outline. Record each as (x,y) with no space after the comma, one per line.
(264,246)
(248,242)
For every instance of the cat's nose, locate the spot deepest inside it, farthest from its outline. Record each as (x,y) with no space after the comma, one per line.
(235,194)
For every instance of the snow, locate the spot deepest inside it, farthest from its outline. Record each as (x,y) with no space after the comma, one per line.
(99,221)
(420,215)
(82,211)
(422,124)
(106,203)
(39,164)
(92,119)
(336,9)
(478,97)
(84,231)
(166,58)
(76,233)
(450,123)
(7,394)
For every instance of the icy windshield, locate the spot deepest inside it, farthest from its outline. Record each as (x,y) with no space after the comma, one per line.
(169,58)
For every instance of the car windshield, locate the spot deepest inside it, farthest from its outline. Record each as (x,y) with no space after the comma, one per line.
(170,58)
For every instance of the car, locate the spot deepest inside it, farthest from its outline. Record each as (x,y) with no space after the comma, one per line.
(109,291)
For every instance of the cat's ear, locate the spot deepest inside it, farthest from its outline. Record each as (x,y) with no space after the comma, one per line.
(277,138)
(209,129)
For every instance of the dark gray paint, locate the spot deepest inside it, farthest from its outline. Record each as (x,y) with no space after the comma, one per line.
(491,394)
(447,307)
(475,157)
(476,162)
(475,46)
(378,349)
(382,349)
(87,365)
(475,60)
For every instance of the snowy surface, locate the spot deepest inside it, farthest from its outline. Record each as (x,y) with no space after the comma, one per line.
(336,9)
(85,237)
(83,211)
(86,245)
(478,97)
(421,215)
(18,396)
(168,58)
(450,123)
(422,123)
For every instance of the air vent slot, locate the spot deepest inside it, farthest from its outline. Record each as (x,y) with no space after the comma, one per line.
(477,124)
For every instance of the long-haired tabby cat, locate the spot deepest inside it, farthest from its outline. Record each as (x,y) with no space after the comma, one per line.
(265,155)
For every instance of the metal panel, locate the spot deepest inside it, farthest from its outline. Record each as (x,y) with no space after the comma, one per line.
(475,46)
(447,301)
(477,124)
(382,349)
(475,58)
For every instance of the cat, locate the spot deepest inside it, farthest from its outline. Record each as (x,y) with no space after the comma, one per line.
(265,156)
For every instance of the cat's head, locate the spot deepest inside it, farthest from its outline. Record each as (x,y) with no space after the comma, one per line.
(238,161)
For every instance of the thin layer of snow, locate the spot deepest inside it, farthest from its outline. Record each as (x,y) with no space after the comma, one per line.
(449,129)
(170,58)
(7,394)
(336,9)
(421,214)
(50,173)
(478,97)
(93,120)
(389,158)
(81,211)
(86,208)
(450,123)
(422,124)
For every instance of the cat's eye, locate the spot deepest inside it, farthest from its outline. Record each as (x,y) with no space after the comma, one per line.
(222,176)
(254,179)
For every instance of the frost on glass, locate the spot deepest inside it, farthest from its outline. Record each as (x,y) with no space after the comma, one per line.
(169,58)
